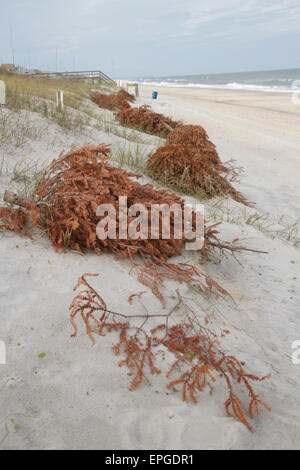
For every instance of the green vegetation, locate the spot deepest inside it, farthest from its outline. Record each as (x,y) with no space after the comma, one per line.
(21,89)
(37,94)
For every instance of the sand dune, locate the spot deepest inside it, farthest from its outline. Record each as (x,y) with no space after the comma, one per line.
(76,397)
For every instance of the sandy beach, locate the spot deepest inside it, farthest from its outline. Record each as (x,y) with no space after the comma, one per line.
(65,393)
(259,130)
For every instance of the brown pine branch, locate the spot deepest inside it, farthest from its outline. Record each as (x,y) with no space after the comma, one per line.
(198,355)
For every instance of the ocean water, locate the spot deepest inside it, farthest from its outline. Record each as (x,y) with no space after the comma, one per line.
(286,81)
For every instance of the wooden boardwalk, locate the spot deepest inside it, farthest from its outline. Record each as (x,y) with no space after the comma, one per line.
(92,74)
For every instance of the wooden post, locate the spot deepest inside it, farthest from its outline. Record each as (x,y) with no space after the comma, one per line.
(133,88)
(2,93)
(60,100)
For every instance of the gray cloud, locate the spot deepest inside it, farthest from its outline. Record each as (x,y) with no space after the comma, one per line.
(277,15)
(154,37)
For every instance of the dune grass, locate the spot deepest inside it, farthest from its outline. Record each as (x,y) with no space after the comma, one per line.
(275,227)
(25,94)
(21,89)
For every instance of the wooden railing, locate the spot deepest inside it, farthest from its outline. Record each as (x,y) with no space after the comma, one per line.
(93,74)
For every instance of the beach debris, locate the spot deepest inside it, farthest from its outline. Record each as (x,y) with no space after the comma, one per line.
(110,101)
(192,170)
(77,183)
(145,120)
(189,162)
(196,137)
(65,205)
(126,95)
(199,359)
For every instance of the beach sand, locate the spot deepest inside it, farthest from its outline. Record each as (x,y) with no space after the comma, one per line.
(259,130)
(75,396)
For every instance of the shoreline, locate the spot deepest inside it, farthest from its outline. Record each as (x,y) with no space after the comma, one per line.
(215,87)
(278,102)
(226,94)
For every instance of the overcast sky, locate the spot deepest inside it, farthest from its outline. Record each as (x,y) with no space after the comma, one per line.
(127,38)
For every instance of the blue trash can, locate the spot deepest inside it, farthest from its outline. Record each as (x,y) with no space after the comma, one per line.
(154,95)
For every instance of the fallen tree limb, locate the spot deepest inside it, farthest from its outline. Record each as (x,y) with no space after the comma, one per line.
(199,361)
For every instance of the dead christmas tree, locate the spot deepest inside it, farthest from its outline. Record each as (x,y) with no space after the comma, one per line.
(127,96)
(145,120)
(110,101)
(65,205)
(194,171)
